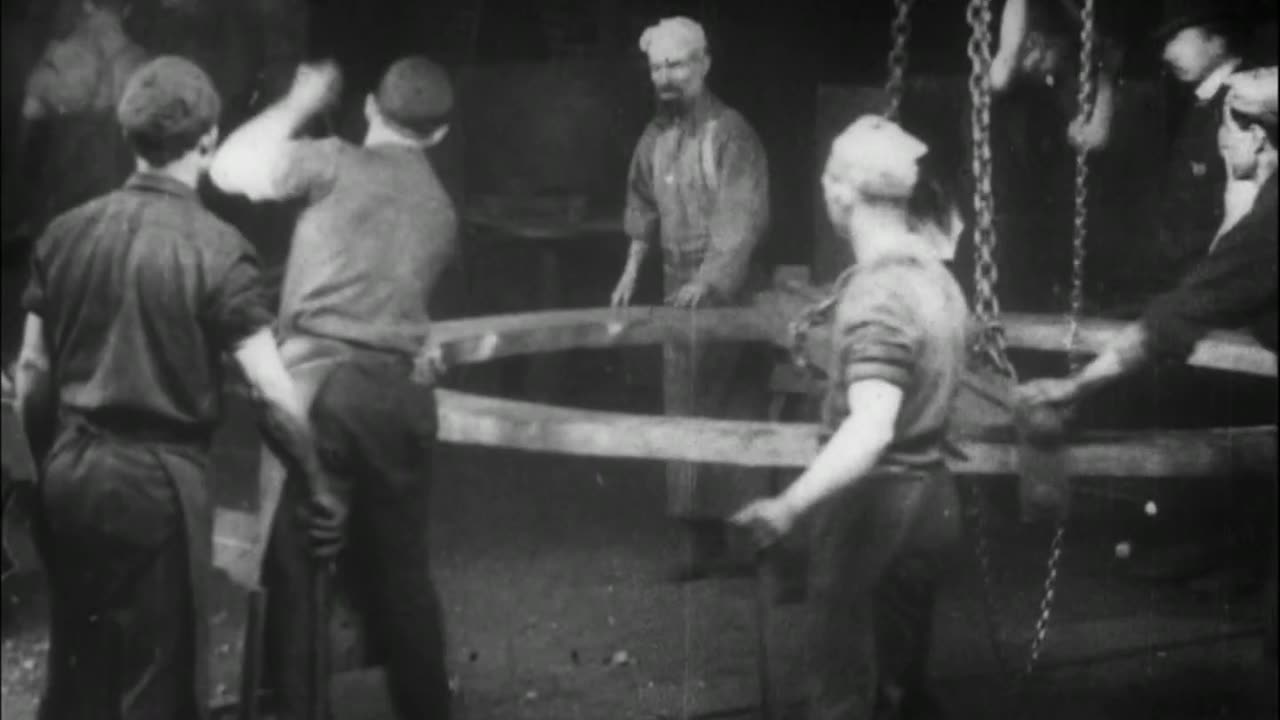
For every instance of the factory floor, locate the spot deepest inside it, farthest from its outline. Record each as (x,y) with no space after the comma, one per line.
(551,569)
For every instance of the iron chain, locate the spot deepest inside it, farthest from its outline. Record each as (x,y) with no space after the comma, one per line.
(990,343)
(1084,109)
(898,57)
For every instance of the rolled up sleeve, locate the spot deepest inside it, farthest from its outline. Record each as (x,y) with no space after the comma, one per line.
(877,336)
(237,305)
(741,212)
(308,168)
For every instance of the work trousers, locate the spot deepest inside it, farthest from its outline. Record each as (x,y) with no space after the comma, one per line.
(110,528)
(376,432)
(876,556)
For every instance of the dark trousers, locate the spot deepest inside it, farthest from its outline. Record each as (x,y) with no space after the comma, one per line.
(376,431)
(121,641)
(876,555)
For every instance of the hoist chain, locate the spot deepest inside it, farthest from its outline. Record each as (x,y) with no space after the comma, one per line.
(898,57)
(990,341)
(1084,109)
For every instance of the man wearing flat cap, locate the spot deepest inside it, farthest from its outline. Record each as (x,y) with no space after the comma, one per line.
(1233,286)
(698,190)
(881,502)
(376,232)
(132,299)
(1201,43)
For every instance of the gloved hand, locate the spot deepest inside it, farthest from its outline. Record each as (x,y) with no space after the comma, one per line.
(324,519)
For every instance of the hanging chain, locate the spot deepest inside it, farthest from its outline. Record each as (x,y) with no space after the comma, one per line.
(990,341)
(901,30)
(820,313)
(1084,109)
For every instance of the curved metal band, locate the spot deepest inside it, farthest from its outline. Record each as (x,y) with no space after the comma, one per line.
(487,421)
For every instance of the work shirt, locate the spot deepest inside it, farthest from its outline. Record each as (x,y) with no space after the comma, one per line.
(140,291)
(377,231)
(902,320)
(1233,286)
(699,185)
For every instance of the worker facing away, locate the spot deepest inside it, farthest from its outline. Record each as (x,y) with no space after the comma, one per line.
(879,499)
(376,232)
(133,297)
(698,190)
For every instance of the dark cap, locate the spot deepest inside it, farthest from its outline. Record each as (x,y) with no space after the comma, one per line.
(168,97)
(415,94)
(1178,15)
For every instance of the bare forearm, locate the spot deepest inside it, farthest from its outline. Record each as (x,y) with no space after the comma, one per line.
(35,406)
(290,436)
(635,256)
(1124,355)
(850,454)
(245,163)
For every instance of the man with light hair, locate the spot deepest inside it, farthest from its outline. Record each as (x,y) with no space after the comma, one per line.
(882,501)
(698,188)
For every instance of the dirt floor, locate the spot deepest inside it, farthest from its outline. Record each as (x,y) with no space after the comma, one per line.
(551,571)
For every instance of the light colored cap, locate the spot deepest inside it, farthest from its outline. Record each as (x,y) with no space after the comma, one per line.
(673,37)
(878,158)
(1253,94)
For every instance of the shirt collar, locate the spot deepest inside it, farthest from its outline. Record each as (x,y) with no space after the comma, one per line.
(149,181)
(1210,86)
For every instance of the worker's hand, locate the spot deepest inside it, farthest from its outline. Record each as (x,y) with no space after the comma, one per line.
(430,366)
(325,520)
(315,86)
(1086,136)
(1048,391)
(692,295)
(768,520)
(621,296)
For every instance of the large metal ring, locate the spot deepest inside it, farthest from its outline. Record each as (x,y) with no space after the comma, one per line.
(472,419)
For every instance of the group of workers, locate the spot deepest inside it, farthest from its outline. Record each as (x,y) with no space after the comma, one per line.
(135,296)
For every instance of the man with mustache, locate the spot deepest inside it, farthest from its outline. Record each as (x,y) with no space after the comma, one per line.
(698,188)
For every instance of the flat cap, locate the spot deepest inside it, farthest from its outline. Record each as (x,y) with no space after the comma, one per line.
(415,93)
(169,96)
(878,158)
(1253,94)
(1178,15)
(673,36)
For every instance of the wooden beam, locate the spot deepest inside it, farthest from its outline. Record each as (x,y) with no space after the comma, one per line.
(493,422)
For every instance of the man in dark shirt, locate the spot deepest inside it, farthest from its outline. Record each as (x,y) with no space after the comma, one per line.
(132,299)
(883,502)
(1199,40)
(377,230)
(1233,286)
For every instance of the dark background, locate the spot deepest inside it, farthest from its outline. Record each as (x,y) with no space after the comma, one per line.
(554,94)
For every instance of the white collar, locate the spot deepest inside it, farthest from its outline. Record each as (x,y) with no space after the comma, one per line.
(1216,79)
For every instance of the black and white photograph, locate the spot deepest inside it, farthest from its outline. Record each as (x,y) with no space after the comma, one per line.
(639,359)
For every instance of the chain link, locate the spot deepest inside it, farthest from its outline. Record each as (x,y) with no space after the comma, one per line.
(1084,109)
(901,30)
(990,341)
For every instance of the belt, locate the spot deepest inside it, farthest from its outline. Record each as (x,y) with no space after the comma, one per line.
(134,428)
